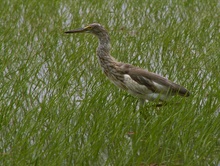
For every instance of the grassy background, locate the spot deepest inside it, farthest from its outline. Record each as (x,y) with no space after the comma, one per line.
(57,107)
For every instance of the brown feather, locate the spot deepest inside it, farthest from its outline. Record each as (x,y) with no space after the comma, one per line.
(141,83)
(147,78)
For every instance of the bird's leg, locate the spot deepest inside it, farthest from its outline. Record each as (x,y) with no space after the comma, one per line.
(137,111)
(143,112)
(141,103)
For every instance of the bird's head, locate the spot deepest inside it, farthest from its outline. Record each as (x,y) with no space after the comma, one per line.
(93,28)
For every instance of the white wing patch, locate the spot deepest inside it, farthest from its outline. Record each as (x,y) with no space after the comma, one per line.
(142,92)
(135,88)
(160,87)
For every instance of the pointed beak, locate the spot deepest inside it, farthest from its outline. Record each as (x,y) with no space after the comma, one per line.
(80,30)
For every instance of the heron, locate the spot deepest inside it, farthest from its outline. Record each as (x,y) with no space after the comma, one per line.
(141,83)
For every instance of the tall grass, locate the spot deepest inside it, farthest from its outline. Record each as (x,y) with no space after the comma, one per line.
(57,107)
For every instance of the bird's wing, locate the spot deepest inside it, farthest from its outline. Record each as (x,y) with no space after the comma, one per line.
(154,82)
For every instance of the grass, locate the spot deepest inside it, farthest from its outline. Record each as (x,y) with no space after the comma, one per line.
(57,107)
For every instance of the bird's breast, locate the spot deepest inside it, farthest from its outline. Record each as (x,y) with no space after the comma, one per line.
(116,78)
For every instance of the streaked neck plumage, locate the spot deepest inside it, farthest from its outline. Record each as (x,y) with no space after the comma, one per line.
(108,63)
(103,50)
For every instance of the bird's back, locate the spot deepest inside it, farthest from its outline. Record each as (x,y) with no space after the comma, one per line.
(144,83)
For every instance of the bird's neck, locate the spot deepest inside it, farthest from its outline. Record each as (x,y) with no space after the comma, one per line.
(104,45)
(108,63)
(103,50)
